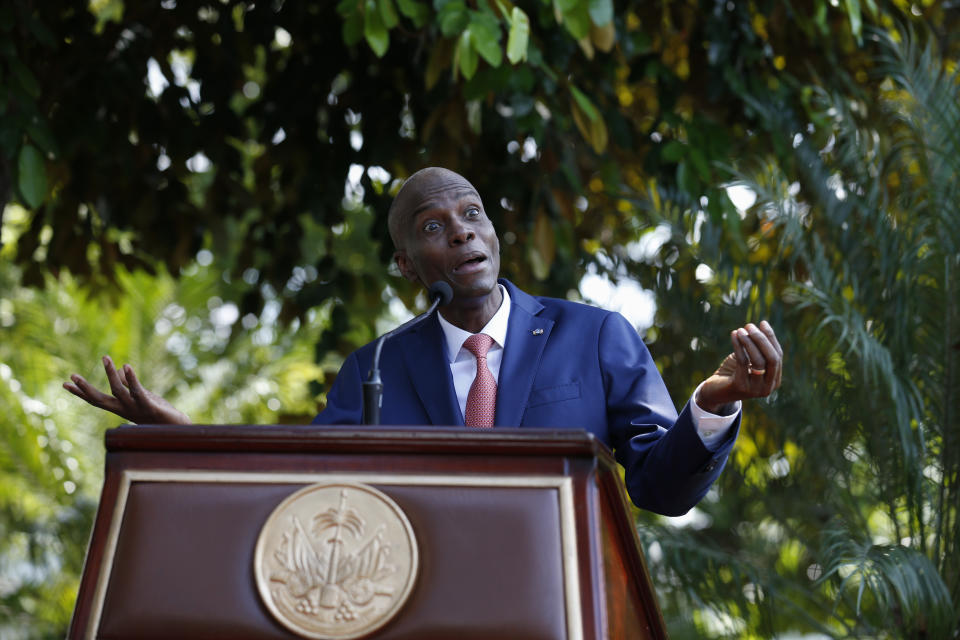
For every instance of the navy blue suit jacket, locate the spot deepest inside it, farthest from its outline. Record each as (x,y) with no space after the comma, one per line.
(587,369)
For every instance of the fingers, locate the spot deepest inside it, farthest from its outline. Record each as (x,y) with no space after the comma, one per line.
(771,337)
(773,353)
(766,354)
(117,384)
(122,402)
(778,361)
(123,376)
(90,394)
(759,357)
(738,348)
(133,383)
(84,389)
(72,388)
(755,357)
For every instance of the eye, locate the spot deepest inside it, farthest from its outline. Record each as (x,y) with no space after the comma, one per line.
(472,213)
(431,226)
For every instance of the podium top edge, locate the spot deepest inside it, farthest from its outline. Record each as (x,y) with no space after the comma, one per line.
(354,438)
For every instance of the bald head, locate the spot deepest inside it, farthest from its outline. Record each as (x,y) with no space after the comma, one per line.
(442,234)
(416,194)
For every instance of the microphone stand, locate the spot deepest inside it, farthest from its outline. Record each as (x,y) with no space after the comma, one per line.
(441,294)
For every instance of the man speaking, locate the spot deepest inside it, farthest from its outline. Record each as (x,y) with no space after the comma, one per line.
(496,356)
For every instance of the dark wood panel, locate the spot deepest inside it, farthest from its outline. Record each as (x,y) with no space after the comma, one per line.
(492,556)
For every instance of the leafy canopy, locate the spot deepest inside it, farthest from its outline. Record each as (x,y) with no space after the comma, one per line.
(250,149)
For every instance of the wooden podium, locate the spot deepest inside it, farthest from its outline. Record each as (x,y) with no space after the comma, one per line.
(521,533)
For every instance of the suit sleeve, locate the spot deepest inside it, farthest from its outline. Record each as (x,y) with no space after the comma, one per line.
(345,397)
(667,468)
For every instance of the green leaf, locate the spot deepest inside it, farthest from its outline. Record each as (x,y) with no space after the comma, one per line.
(409,8)
(106,11)
(700,163)
(584,103)
(601,12)
(486,21)
(374,30)
(563,6)
(519,36)
(577,22)
(685,178)
(467,55)
(588,121)
(593,130)
(32,176)
(453,18)
(353,29)
(415,10)
(820,16)
(856,19)
(485,37)
(388,13)
(673,151)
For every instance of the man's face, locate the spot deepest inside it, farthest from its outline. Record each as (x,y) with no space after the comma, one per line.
(444,234)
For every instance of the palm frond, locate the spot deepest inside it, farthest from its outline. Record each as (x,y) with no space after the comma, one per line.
(907,591)
(865,225)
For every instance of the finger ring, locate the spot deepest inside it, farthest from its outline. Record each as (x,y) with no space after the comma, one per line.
(756,372)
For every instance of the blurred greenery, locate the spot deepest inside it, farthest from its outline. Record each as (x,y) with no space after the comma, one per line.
(201,189)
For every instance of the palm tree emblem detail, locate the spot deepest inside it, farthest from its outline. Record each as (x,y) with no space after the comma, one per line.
(336,564)
(340,520)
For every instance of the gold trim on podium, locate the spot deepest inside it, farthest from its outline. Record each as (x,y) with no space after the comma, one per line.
(563,486)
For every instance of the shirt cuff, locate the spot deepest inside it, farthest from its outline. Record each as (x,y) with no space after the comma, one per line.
(711,428)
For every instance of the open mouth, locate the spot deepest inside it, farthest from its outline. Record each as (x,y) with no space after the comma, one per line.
(470,264)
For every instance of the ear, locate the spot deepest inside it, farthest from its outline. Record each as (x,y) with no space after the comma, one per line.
(405,265)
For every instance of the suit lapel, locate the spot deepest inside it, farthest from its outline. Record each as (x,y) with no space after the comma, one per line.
(527,335)
(429,371)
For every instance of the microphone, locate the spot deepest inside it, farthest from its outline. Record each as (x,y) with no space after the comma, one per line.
(440,295)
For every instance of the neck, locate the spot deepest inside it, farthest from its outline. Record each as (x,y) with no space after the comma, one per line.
(473,314)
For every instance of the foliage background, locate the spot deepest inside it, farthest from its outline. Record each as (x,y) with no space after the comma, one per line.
(201,189)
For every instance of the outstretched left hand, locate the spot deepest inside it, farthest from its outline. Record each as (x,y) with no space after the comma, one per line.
(130,399)
(753,370)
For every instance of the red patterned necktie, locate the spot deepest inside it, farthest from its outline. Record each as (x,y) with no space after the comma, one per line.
(482,399)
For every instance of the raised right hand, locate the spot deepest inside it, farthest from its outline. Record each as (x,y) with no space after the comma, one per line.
(130,400)
(753,370)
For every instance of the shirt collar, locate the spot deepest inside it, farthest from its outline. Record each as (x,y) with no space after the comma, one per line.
(496,328)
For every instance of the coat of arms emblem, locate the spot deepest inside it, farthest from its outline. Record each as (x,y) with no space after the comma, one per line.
(335,561)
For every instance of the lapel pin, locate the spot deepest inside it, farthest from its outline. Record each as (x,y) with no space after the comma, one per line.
(537,332)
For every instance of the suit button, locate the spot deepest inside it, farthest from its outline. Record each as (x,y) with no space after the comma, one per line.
(710,466)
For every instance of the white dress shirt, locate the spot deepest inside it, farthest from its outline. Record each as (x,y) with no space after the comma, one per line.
(463,365)
(711,428)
